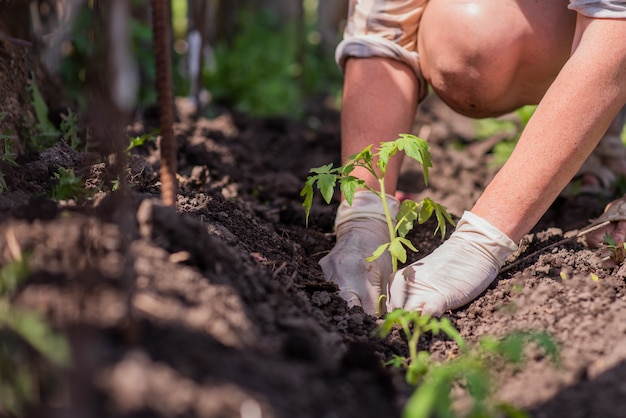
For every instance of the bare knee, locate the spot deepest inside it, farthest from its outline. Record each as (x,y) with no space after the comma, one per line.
(478,55)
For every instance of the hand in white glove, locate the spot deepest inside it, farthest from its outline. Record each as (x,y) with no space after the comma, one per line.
(456,272)
(361,229)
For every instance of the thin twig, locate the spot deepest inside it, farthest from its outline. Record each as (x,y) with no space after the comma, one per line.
(580,233)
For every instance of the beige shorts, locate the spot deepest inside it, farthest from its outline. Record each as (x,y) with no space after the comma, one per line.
(615,9)
(383,28)
(388,28)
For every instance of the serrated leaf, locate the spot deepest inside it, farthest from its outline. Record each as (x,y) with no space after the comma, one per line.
(426,208)
(387,150)
(361,158)
(408,244)
(379,251)
(307,192)
(397,250)
(407,214)
(324,169)
(346,169)
(417,149)
(443,217)
(326,185)
(348,186)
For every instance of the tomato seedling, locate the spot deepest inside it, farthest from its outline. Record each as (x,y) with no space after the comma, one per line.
(326,178)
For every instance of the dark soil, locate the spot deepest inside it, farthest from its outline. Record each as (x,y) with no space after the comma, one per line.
(218,308)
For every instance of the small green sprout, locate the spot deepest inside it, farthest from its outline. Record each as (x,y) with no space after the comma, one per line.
(326,178)
(138,141)
(69,186)
(8,156)
(70,129)
(46,134)
(470,370)
(19,379)
(618,250)
(414,324)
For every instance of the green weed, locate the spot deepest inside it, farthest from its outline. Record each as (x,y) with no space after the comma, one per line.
(617,250)
(69,185)
(44,134)
(138,141)
(8,156)
(19,378)
(471,370)
(70,129)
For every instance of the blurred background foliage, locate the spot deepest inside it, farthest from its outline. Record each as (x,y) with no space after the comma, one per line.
(263,58)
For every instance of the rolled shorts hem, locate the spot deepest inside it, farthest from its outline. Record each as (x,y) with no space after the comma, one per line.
(369,46)
(602,9)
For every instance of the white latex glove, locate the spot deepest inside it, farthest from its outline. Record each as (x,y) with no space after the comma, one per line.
(361,229)
(456,272)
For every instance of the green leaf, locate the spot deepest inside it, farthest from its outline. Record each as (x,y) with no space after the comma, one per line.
(396,361)
(348,186)
(417,149)
(346,170)
(408,244)
(39,335)
(326,178)
(447,327)
(512,347)
(547,343)
(326,184)
(510,411)
(443,217)
(426,208)
(363,158)
(418,368)
(608,238)
(432,397)
(13,273)
(324,169)
(411,211)
(69,186)
(385,152)
(307,192)
(478,381)
(379,251)
(397,250)
(138,141)
(40,107)
(407,214)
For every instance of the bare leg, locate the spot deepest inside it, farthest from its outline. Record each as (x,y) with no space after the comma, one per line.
(375,111)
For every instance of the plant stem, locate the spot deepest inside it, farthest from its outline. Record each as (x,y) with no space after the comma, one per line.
(392,232)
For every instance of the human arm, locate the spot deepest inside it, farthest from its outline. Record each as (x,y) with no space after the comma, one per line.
(568,123)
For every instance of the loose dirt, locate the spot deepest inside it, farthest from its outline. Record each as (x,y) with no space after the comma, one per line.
(218,308)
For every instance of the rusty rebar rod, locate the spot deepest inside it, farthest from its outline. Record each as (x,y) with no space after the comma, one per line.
(165,99)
